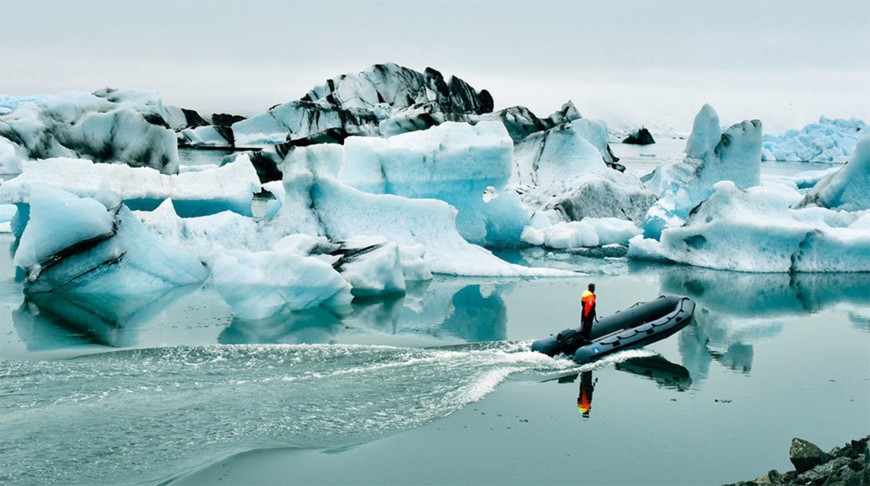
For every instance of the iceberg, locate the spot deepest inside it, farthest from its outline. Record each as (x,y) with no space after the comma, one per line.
(756,230)
(452,162)
(312,201)
(846,189)
(83,245)
(602,193)
(711,156)
(228,188)
(372,266)
(258,285)
(589,232)
(546,157)
(358,103)
(829,140)
(123,127)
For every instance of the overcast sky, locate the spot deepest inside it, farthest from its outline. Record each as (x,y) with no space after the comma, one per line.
(626,62)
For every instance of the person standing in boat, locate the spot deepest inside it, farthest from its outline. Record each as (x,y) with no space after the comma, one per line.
(587,303)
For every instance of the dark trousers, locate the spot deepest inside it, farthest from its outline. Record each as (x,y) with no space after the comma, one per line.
(586,328)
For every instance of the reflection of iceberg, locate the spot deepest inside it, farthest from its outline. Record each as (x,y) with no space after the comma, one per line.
(310,326)
(765,294)
(736,309)
(727,340)
(99,318)
(658,369)
(860,319)
(444,310)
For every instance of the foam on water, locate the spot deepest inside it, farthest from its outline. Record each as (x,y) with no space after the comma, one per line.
(134,414)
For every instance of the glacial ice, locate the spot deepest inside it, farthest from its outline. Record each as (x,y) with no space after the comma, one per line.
(357,103)
(7,212)
(78,244)
(600,193)
(546,157)
(829,140)
(124,127)
(227,188)
(711,156)
(756,230)
(258,285)
(589,232)
(372,265)
(848,188)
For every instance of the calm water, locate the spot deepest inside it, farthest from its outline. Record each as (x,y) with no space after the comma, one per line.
(105,391)
(102,391)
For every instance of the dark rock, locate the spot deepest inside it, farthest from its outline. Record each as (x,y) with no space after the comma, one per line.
(847,465)
(641,136)
(805,455)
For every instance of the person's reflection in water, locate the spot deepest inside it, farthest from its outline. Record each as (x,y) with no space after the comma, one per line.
(587,386)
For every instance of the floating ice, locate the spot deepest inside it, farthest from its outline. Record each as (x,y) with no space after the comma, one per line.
(452,162)
(258,285)
(711,156)
(372,265)
(553,155)
(829,140)
(11,155)
(7,212)
(230,187)
(602,193)
(589,232)
(595,132)
(123,127)
(357,103)
(848,188)
(77,244)
(755,230)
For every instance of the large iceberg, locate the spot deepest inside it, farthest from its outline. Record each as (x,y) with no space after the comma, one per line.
(829,140)
(846,189)
(125,127)
(711,156)
(357,103)
(756,230)
(86,245)
(453,162)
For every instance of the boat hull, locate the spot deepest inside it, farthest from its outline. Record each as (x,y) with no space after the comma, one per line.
(640,324)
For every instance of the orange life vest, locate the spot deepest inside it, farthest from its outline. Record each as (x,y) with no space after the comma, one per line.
(587,300)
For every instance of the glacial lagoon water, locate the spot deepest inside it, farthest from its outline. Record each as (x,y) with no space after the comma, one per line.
(98,391)
(435,387)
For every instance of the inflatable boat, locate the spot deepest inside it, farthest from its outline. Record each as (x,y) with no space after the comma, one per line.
(639,325)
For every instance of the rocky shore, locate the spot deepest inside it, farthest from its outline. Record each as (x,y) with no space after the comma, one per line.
(846,465)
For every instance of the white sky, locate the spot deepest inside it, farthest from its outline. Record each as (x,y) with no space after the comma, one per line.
(627,62)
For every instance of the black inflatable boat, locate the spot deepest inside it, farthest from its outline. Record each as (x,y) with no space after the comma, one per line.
(640,324)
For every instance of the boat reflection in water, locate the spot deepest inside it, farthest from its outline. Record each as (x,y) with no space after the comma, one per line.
(656,368)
